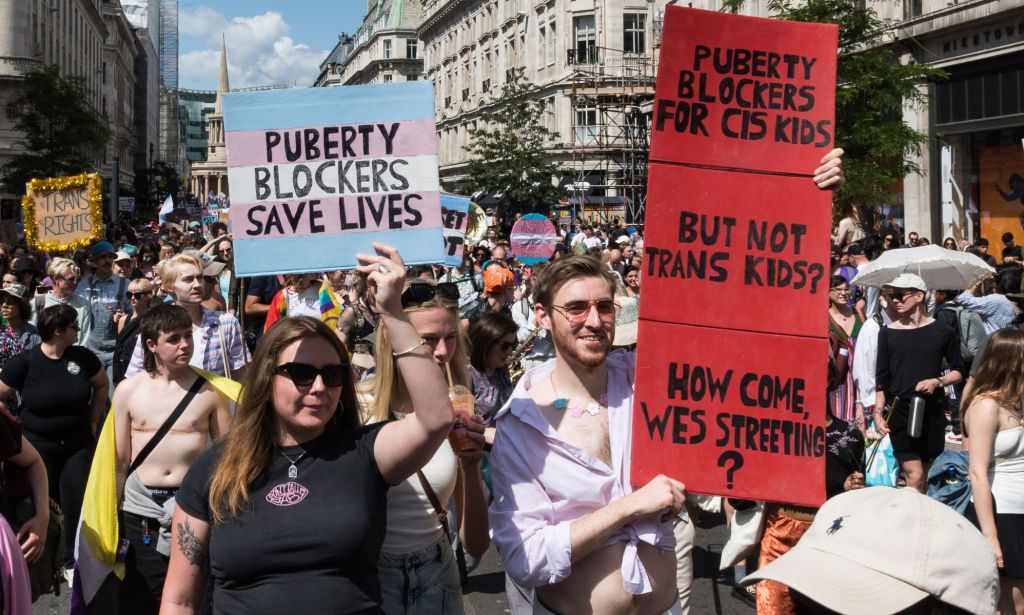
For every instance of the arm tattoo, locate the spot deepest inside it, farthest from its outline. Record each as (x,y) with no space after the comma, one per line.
(191,547)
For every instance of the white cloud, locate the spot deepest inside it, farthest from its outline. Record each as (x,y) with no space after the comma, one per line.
(260,52)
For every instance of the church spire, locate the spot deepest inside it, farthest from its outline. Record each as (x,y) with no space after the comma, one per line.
(222,83)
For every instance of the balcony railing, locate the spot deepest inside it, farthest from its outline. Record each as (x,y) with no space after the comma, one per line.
(587,55)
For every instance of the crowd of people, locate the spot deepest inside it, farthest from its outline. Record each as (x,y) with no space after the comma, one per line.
(348,477)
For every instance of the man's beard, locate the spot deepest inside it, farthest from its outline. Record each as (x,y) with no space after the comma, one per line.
(565,343)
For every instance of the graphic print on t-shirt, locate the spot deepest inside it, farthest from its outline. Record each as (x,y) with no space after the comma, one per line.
(288,494)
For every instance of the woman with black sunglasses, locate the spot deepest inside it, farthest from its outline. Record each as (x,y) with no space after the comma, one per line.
(140,297)
(287,512)
(417,567)
(492,339)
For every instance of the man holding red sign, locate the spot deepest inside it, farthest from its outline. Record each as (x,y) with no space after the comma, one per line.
(565,517)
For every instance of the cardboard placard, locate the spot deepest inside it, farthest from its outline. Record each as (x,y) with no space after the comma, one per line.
(63,213)
(732,256)
(455,215)
(731,412)
(732,343)
(744,92)
(318,175)
(533,239)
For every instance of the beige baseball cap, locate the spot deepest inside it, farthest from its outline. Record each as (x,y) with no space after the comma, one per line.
(880,550)
(907,280)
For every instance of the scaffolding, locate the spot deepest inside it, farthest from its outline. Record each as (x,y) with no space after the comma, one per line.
(611,98)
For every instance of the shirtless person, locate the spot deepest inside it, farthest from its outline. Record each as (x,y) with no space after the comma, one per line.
(141,405)
(565,518)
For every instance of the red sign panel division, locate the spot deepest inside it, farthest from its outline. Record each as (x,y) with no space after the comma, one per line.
(733,412)
(743,92)
(722,247)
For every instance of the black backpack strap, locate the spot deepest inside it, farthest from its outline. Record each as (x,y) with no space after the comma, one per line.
(166,427)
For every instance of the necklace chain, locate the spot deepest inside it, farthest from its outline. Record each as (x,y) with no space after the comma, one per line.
(293,471)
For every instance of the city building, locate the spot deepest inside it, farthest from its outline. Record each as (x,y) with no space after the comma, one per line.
(384,49)
(594,64)
(144,16)
(32,35)
(117,96)
(194,110)
(210,177)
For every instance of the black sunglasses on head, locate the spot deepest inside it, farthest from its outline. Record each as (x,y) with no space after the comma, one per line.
(421,292)
(304,374)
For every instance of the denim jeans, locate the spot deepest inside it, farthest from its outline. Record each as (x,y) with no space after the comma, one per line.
(420,583)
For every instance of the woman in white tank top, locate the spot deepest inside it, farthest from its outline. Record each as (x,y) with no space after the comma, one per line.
(993,422)
(417,568)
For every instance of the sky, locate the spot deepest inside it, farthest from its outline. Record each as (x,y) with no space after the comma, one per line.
(268,41)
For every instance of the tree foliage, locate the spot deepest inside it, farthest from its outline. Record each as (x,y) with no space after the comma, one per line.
(509,151)
(872,88)
(61,133)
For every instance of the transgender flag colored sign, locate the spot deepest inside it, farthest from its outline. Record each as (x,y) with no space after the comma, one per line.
(318,175)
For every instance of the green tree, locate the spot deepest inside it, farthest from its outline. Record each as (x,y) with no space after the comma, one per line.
(509,154)
(61,133)
(872,88)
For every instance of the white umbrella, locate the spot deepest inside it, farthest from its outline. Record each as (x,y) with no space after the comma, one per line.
(941,269)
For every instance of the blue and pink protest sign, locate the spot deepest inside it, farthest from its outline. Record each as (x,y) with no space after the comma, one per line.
(533,239)
(455,213)
(318,175)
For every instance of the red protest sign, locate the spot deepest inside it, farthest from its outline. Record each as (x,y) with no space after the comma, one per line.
(722,248)
(735,259)
(731,412)
(744,92)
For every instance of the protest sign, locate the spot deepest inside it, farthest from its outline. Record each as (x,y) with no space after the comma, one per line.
(318,175)
(722,415)
(728,398)
(455,214)
(63,213)
(744,92)
(533,239)
(710,241)
(126,204)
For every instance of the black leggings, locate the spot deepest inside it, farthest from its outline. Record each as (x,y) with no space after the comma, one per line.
(67,462)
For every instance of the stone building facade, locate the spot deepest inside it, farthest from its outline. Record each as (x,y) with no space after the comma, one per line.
(383,50)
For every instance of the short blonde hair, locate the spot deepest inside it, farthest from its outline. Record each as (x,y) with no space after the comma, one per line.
(60,266)
(168,269)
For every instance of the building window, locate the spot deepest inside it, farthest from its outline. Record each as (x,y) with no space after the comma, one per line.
(412,78)
(542,47)
(410,48)
(912,8)
(634,37)
(549,58)
(104,73)
(586,125)
(387,78)
(387,49)
(586,39)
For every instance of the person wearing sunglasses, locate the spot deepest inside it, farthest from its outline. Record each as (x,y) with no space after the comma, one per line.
(910,363)
(141,405)
(140,298)
(65,275)
(417,566)
(492,339)
(557,495)
(289,511)
(844,323)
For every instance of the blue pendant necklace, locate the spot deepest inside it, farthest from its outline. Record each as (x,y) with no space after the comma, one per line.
(575,411)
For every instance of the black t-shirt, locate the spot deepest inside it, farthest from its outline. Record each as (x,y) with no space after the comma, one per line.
(908,356)
(308,544)
(263,287)
(1015,251)
(55,394)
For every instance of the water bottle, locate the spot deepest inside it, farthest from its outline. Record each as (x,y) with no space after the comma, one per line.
(915,422)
